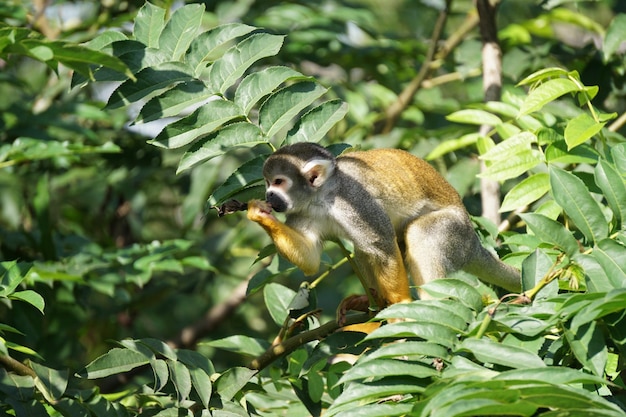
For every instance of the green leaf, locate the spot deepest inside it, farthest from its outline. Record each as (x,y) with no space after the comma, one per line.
(357,395)
(425,311)
(181,30)
(232,381)
(455,289)
(542,75)
(277,300)
(545,93)
(517,165)
(526,192)
(614,37)
(612,257)
(388,367)
(173,101)
(208,46)
(261,83)
(507,149)
(552,232)
(452,145)
(31,297)
(281,107)
(313,125)
(148,25)
(573,196)
(149,81)
(474,117)
(240,344)
(180,377)
(11,276)
(557,152)
(234,135)
(488,351)
(232,65)
(202,121)
(610,181)
(161,373)
(249,174)
(431,332)
(407,349)
(587,343)
(115,361)
(580,129)
(51,382)
(534,269)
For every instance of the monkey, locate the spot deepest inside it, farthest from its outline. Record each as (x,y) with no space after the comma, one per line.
(399,213)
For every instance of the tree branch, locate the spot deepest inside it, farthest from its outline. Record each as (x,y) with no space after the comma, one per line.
(289,345)
(405,97)
(492,89)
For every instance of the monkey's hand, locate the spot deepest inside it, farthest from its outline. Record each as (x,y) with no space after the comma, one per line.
(260,212)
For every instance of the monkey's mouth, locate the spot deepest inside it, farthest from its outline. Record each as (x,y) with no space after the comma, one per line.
(277,204)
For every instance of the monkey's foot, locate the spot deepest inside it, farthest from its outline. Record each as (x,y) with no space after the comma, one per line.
(354,303)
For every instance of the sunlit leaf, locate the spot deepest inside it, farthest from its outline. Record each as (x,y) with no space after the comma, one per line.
(204,120)
(232,65)
(545,93)
(313,125)
(474,117)
(526,192)
(259,84)
(148,25)
(574,197)
(181,30)
(612,185)
(281,107)
(580,129)
(614,37)
(232,136)
(488,351)
(208,46)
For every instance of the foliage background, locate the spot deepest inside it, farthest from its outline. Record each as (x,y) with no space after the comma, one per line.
(102,241)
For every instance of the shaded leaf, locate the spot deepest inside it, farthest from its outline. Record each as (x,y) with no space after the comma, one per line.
(612,185)
(115,361)
(173,101)
(552,232)
(615,36)
(313,125)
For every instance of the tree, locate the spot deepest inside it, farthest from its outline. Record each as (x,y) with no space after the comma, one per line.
(108,235)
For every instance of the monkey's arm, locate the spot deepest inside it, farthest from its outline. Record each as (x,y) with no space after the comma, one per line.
(301,250)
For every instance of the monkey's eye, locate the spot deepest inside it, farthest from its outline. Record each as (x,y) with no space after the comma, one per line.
(278,181)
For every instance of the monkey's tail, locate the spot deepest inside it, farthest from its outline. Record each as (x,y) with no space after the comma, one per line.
(492,270)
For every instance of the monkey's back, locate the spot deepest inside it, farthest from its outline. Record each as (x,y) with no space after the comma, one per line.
(398,177)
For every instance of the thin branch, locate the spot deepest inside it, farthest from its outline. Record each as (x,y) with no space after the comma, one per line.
(405,97)
(287,346)
(16,366)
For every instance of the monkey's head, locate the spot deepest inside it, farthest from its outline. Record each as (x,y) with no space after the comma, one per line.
(295,174)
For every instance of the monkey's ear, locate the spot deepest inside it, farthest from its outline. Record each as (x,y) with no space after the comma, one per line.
(317,171)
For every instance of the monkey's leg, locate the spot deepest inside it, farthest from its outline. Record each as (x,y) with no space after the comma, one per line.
(301,250)
(437,243)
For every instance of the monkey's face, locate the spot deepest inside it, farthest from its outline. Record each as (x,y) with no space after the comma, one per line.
(295,174)
(277,192)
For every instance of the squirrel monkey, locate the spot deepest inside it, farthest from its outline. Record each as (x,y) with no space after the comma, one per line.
(381,200)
